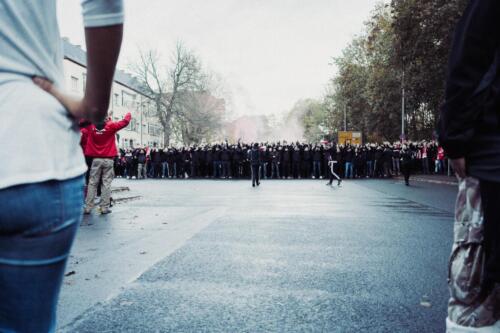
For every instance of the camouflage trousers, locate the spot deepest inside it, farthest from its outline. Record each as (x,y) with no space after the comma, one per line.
(470,304)
(101,167)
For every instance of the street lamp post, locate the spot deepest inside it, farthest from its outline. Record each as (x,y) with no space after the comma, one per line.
(345,117)
(403,107)
(403,111)
(141,111)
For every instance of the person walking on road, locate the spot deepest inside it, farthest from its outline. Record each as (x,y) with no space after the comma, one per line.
(101,146)
(469,133)
(254,157)
(333,166)
(406,159)
(41,184)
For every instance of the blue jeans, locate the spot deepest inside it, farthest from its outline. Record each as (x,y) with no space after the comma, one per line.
(439,168)
(38,223)
(317,169)
(369,168)
(164,171)
(348,170)
(263,170)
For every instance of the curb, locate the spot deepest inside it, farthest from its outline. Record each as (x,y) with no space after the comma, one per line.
(433,181)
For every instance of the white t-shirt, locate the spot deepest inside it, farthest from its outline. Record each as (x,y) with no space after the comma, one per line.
(38,141)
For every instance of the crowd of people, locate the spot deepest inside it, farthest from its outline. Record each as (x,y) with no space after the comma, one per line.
(282,160)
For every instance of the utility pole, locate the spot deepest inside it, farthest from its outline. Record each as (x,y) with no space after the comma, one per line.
(403,113)
(345,117)
(141,111)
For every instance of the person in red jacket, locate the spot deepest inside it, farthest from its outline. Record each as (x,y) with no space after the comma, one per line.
(101,147)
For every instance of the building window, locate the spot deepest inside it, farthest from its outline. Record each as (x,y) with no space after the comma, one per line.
(84,82)
(74,83)
(128,100)
(116,99)
(153,130)
(132,126)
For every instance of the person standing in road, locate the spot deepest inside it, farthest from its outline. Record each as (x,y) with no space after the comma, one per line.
(332,157)
(141,164)
(316,157)
(164,163)
(285,172)
(296,162)
(129,160)
(41,184)
(396,159)
(254,157)
(440,156)
(101,146)
(306,163)
(469,133)
(406,159)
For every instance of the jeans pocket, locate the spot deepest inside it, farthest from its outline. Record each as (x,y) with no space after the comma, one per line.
(60,207)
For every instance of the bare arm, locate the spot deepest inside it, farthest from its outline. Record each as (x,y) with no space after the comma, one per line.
(103,48)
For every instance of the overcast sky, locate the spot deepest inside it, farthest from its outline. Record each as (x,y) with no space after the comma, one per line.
(270,52)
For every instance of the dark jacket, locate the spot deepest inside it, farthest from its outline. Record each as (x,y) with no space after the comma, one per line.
(306,156)
(254,156)
(141,158)
(317,155)
(285,156)
(349,155)
(224,155)
(406,157)
(469,124)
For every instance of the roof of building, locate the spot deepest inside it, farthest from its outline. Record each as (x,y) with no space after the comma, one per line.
(76,54)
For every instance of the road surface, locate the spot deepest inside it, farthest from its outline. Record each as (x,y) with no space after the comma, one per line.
(290,256)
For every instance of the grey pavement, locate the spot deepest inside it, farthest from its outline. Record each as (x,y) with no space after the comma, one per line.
(290,256)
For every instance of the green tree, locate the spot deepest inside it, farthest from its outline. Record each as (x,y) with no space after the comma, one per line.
(383,89)
(365,95)
(405,43)
(423,32)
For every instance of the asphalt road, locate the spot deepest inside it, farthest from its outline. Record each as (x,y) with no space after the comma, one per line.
(290,256)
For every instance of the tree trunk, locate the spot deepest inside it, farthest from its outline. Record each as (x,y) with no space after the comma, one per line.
(166,138)
(167,129)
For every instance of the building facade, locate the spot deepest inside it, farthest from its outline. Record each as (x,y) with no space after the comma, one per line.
(126,96)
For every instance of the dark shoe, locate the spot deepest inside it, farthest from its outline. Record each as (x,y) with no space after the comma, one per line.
(253,185)
(339,183)
(105,211)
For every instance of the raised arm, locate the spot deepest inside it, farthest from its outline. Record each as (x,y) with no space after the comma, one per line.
(118,125)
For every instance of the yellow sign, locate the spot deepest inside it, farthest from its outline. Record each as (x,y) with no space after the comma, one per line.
(354,138)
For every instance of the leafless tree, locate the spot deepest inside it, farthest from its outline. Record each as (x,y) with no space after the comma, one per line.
(165,83)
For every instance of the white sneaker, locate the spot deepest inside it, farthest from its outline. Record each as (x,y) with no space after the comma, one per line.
(451,327)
